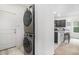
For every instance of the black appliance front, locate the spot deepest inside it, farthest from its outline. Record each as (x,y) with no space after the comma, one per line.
(60,23)
(56,37)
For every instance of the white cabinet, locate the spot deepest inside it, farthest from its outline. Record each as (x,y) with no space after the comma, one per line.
(7,30)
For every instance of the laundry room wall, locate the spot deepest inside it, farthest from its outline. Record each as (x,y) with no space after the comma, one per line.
(44,36)
(18,11)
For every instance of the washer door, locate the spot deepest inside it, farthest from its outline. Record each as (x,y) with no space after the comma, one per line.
(27,18)
(27,45)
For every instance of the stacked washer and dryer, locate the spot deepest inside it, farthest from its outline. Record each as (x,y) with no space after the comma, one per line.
(29,30)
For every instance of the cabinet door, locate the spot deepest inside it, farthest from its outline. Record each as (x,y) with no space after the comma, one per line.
(7,30)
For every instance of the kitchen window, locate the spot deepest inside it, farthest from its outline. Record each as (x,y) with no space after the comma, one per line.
(76,26)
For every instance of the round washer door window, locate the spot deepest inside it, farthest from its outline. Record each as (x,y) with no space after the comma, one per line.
(27,45)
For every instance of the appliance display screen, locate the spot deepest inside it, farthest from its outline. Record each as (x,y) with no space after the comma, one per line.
(60,23)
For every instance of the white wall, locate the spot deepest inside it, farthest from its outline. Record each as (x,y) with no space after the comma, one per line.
(44,30)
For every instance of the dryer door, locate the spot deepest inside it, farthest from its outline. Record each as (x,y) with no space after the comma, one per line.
(27,18)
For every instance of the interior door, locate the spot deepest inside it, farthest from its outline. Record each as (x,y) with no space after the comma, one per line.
(7,29)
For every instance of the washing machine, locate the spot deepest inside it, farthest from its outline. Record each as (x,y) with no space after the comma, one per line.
(29,30)
(28,44)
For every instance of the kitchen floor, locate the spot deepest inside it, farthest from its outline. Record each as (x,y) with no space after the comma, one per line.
(68,49)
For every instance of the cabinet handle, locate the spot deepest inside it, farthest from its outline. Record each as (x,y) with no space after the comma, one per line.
(14,30)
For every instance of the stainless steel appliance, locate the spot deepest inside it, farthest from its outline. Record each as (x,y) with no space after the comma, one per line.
(28,44)
(29,29)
